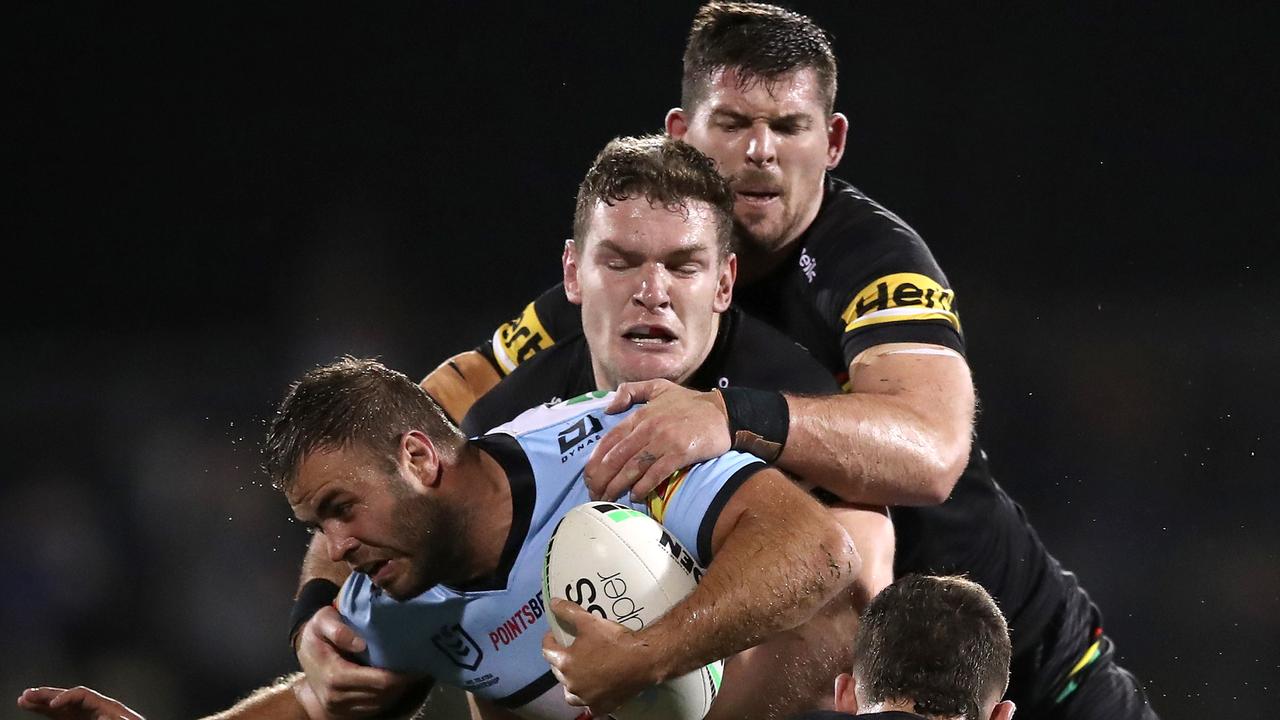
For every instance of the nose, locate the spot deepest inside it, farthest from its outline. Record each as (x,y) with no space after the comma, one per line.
(653,292)
(761,145)
(340,546)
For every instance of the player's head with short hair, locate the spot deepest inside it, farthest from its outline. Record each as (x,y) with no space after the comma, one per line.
(360,452)
(651,262)
(351,402)
(761,42)
(939,644)
(668,173)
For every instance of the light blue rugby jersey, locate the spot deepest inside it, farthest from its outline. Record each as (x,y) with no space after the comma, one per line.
(487,638)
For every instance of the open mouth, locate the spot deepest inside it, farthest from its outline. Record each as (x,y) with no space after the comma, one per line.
(649,335)
(757,198)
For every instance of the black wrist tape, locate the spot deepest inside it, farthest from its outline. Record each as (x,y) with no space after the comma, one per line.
(758,421)
(314,595)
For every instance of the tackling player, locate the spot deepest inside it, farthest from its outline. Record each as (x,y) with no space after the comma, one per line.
(858,288)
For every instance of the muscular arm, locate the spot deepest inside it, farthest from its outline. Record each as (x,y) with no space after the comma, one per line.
(779,557)
(796,556)
(900,436)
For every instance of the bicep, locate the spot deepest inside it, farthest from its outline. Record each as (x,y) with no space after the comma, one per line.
(932,377)
(769,498)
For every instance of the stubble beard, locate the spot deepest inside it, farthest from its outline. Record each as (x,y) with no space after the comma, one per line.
(436,536)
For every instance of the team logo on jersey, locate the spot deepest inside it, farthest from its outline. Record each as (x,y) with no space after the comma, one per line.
(579,436)
(458,646)
(900,297)
(808,265)
(519,339)
(660,498)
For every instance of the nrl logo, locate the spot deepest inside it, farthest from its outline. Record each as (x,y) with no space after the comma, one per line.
(458,646)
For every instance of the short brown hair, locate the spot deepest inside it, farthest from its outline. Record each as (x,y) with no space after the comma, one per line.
(351,401)
(761,42)
(939,641)
(668,172)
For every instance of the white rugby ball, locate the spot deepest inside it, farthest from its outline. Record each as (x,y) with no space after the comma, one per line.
(622,565)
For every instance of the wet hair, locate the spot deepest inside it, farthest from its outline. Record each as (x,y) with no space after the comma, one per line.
(667,172)
(938,641)
(347,403)
(761,42)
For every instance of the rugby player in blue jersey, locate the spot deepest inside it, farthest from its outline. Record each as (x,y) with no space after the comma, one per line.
(445,537)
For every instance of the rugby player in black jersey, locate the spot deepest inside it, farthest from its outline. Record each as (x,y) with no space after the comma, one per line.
(858,288)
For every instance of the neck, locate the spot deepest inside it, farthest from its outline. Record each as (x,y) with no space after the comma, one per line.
(483,484)
(755,261)
(905,706)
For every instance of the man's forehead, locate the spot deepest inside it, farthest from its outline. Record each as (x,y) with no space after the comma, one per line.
(798,91)
(688,225)
(320,469)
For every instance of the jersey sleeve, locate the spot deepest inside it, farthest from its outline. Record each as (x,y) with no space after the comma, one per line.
(543,322)
(553,375)
(875,281)
(689,502)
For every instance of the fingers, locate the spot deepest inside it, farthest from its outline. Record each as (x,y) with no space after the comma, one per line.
(628,394)
(328,624)
(661,469)
(568,614)
(616,447)
(39,695)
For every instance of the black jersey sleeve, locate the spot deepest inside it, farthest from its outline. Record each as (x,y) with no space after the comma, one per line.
(873,279)
(560,372)
(543,322)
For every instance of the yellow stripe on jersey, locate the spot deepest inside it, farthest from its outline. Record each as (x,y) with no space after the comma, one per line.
(660,498)
(520,339)
(900,297)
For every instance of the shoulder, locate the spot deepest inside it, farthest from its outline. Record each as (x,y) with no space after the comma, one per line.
(551,419)
(757,355)
(543,322)
(854,231)
(548,377)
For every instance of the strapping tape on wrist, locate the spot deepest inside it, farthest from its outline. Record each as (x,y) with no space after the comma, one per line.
(758,421)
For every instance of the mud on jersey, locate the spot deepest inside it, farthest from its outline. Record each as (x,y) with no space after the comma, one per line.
(486,638)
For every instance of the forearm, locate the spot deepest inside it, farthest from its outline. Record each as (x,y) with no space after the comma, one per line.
(773,572)
(278,701)
(877,449)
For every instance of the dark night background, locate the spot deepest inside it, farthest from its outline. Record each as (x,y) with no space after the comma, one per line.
(212,198)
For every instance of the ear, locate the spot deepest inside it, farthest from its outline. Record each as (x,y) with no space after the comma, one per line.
(569,261)
(1003,710)
(846,694)
(677,123)
(419,456)
(724,287)
(837,133)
